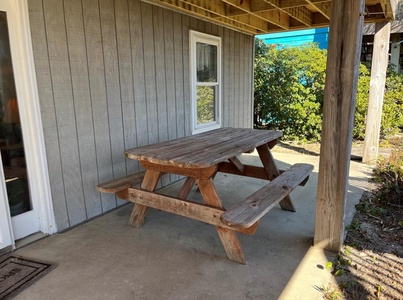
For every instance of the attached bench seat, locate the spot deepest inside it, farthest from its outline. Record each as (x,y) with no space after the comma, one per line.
(259,203)
(122,183)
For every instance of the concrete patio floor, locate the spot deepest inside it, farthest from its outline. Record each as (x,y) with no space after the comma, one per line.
(172,257)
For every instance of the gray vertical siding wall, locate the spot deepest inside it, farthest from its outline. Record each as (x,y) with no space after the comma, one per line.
(113,75)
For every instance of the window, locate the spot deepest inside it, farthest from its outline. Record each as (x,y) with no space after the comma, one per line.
(205,70)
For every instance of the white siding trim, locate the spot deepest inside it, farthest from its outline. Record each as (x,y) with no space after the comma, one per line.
(31,114)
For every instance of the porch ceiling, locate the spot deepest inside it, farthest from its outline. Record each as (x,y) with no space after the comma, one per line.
(268,16)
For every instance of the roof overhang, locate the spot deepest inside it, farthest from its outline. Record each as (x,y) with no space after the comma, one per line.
(268,16)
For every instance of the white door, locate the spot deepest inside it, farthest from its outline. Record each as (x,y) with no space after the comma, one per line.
(25,206)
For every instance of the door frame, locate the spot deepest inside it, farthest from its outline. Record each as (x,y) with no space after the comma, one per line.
(27,91)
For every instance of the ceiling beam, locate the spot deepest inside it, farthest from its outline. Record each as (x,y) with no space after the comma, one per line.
(301,14)
(267,16)
(186,8)
(279,19)
(219,9)
(297,3)
(323,8)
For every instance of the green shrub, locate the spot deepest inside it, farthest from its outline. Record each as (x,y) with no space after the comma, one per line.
(392,110)
(289,86)
(389,173)
(289,92)
(361,107)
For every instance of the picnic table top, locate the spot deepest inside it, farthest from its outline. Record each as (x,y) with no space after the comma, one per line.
(205,149)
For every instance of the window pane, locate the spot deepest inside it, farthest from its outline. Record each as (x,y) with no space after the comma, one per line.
(205,104)
(11,143)
(206,62)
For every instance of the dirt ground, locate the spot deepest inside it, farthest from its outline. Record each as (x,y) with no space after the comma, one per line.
(372,255)
(370,265)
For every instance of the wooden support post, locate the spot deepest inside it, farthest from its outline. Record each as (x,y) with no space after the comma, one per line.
(380,58)
(338,114)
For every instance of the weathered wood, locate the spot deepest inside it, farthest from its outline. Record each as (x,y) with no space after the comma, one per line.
(204,173)
(259,203)
(120,184)
(272,172)
(207,149)
(269,16)
(186,188)
(214,149)
(338,113)
(228,237)
(380,59)
(268,161)
(179,207)
(237,163)
(248,171)
(150,182)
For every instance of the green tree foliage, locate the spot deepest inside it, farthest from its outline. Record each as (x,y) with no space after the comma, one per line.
(289,86)
(392,110)
(289,91)
(205,104)
(361,102)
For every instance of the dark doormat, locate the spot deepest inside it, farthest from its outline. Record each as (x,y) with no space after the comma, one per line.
(17,273)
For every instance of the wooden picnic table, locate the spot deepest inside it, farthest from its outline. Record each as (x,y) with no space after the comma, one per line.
(199,158)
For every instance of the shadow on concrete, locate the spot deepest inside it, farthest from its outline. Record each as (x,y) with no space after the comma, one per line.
(172,257)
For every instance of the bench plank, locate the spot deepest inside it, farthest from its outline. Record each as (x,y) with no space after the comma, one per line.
(185,208)
(259,203)
(120,184)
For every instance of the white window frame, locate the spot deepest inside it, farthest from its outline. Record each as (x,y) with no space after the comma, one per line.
(198,37)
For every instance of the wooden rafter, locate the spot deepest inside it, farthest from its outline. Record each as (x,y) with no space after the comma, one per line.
(279,19)
(266,16)
(323,8)
(300,13)
(219,9)
(186,8)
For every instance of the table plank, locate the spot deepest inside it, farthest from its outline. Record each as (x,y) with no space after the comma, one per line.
(205,149)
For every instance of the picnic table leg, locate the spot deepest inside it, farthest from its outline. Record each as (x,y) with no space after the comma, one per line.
(228,237)
(186,188)
(272,172)
(149,183)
